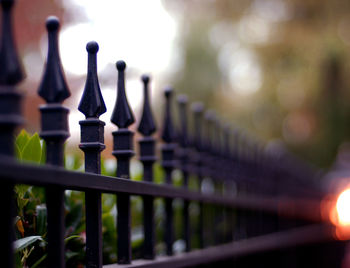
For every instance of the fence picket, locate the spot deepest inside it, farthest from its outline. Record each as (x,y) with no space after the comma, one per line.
(147,127)
(184,165)
(255,192)
(92,138)
(54,130)
(123,117)
(10,117)
(168,163)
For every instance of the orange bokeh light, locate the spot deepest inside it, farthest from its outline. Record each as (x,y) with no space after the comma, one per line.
(343,208)
(339,215)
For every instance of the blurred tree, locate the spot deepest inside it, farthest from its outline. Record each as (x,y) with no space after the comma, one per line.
(297,52)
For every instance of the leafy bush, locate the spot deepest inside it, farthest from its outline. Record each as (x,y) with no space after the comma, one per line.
(31,226)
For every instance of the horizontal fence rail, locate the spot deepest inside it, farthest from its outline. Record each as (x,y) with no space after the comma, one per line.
(308,209)
(264,202)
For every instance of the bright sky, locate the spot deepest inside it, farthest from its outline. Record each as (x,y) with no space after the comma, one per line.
(142,33)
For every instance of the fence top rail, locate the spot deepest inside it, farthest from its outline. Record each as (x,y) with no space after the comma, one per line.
(303,208)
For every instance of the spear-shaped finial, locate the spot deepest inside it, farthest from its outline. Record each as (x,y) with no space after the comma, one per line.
(92,104)
(10,66)
(182,102)
(147,125)
(197,109)
(168,133)
(53,87)
(122,115)
(210,120)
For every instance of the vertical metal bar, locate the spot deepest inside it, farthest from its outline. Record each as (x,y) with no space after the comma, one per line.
(123,150)
(147,127)
(10,117)
(211,168)
(227,154)
(184,164)
(92,143)
(54,130)
(197,109)
(168,149)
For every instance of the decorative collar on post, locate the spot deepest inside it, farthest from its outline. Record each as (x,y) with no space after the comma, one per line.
(168,136)
(54,90)
(182,102)
(209,143)
(168,132)
(147,127)
(183,151)
(197,111)
(11,72)
(147,124)
(210,119)
(123,117)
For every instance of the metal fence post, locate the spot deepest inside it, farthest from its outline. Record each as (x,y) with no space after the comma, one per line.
(10,117)
(123,150)
(168,163)
(197,110)
(184,165)
(92,143)
(147,127)
(54,130)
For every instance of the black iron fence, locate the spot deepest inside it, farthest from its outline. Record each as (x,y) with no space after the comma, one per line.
(273,216)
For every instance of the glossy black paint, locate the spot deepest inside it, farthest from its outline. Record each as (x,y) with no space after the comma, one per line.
(147,127)
(54,130)
(92,143)
(168,163)
(123,150)
(10,117)
(250,193)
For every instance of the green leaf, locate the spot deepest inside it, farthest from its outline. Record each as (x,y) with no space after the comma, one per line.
(70,255)
(18,152)
(43,152)
(32,150)
(22,139)
(21,189)
(37,263)
(69,238)
(22,243)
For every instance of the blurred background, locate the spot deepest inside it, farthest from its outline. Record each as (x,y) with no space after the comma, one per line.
(278,68)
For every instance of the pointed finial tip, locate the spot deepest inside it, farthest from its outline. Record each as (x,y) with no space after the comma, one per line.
(92,47)
(197,107)
(168,91)
(145,78)
(121,65)
(52,23)
(182,99)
